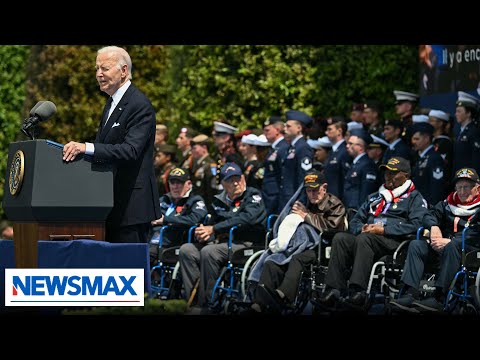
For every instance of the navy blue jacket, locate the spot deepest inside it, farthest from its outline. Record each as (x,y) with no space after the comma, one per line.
(428,175)
(400,219)
(360,181)
(467,149)
(400,149)
(272,177)
(129,147)
(336,167)
(297,160)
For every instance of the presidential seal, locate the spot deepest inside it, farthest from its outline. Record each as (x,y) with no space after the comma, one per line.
(17,169)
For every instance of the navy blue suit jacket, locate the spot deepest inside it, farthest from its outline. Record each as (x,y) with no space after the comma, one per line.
(126,141)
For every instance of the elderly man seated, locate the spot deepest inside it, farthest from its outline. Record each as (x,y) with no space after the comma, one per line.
(445,222)
(291,251)
(236,205)
(381,223)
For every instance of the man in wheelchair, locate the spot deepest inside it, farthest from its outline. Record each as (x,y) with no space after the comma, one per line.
(237,205)
(377,229)
(445,222)
(180,210)
(279,268)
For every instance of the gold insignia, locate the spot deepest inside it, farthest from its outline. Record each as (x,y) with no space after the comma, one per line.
(17,169)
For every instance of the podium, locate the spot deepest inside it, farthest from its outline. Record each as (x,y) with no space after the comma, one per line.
(47,198)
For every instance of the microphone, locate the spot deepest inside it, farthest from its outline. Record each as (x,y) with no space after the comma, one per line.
(32,112)
(42,111)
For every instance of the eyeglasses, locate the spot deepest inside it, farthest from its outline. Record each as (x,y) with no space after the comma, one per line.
(464,188)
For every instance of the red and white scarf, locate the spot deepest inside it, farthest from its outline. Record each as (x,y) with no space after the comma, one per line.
(462,209)
(389,196)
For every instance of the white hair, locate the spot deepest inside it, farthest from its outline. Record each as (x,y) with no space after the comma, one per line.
(121,55)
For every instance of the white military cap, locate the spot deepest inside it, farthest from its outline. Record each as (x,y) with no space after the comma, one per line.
(220,127)
(262,141)
(377,141)
(419,118)
(354,125)
(439,114)
(467,100)
(249,139)
(405,96)
(321,142)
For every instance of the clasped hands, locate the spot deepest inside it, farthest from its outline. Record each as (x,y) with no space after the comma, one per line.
(377,229)
(203,233)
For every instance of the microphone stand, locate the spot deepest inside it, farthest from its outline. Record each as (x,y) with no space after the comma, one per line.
(27,132)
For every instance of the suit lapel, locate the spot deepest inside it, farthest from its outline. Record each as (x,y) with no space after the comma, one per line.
(119,109)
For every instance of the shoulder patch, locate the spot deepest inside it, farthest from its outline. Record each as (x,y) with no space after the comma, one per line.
(256,198)
(260,173)
(437,173)
(200,205)
(306,163)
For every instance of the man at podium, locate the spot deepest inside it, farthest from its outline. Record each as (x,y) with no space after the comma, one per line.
(125,139)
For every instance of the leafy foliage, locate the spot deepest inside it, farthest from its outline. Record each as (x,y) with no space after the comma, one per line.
(13,61)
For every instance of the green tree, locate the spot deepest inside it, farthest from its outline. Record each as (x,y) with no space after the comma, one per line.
(13,60)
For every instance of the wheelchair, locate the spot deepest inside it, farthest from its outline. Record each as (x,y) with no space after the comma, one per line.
(463,297)
(385,277)
(165,276)
(232,290)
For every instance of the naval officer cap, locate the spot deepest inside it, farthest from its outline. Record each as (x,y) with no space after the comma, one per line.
(467,100)
(221,128)
(362,134)
(439,114)
(299,116)
(378,142)
(401,96)
(323,142)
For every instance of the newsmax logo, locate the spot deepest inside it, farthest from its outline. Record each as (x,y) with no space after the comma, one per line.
(74,287)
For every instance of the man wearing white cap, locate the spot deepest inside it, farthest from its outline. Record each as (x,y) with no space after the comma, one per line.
(405,103)
(467,144)
(442,142)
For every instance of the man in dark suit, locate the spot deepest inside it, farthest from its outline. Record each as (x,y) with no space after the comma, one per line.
(125,139)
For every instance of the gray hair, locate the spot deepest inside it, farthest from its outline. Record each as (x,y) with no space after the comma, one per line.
(121,55)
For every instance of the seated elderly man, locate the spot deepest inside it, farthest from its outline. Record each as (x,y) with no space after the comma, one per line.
(377,229)
(180,208)
(291,251)
(446,222)
(236,205)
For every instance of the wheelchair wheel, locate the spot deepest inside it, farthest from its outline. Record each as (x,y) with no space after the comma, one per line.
(476,290)
(250,263)
(468,309)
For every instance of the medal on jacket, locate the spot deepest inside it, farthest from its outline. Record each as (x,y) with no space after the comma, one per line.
(178,209)
(236,205)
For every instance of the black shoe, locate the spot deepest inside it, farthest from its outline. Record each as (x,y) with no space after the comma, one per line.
(357,301)
(404,303)
(275,303)
(329,299)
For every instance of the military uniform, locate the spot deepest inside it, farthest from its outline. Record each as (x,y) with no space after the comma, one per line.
(296,162)
(204,183)
(360,181)
(398,148)
(254,173)
(467,148)
(186,161)
(272,176)
(444,147)
(429,175)
(337,165)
